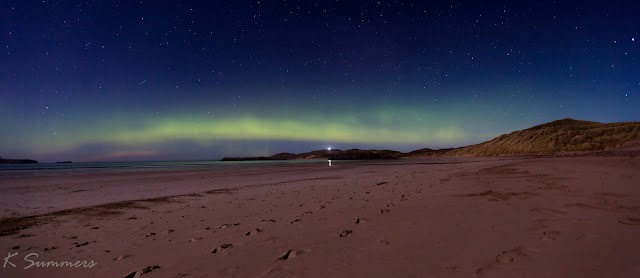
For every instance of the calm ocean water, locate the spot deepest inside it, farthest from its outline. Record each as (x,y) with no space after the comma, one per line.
(47,169)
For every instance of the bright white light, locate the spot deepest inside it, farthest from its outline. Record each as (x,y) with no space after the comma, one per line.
(329,148)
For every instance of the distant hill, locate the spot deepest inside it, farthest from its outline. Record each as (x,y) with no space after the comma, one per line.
(566,136)
(353,154)
(557,137)
(17,161)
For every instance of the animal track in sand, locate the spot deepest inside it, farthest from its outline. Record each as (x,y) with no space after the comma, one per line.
(296,220)
(383,211)
(361,220)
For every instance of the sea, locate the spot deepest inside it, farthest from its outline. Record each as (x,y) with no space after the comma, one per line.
(81,168)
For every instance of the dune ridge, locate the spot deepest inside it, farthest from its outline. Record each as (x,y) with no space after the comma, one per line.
(557,137)
(560,137)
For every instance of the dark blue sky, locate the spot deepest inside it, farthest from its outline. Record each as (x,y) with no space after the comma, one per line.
(118,80)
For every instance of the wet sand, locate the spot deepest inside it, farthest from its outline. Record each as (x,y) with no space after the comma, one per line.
(510,217)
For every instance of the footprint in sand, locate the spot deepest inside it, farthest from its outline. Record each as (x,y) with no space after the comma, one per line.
(510,255)
(383,211)
(221,248)
(290,254)
(82,244)
(548,235)
(253,232)
(141,272)
(228,225)
(360,220)
(345,233)
(504,258)
(296,220)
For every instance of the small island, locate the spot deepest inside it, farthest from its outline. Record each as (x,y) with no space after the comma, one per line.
(17,161)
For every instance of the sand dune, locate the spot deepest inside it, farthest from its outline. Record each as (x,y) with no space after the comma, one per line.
(554,138)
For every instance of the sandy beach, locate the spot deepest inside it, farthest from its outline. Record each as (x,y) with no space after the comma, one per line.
(441,217)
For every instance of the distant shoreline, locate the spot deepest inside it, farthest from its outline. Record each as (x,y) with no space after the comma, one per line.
(17,161)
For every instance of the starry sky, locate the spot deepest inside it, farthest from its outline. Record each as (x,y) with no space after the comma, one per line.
(164,80)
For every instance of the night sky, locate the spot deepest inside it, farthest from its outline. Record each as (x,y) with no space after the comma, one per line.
(157,80)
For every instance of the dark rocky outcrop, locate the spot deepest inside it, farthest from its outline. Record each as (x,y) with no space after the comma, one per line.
(353,154)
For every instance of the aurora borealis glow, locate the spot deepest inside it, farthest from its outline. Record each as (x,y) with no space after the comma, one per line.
(117,80)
